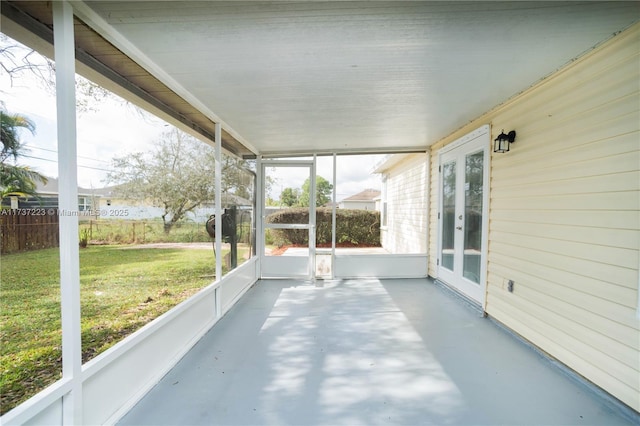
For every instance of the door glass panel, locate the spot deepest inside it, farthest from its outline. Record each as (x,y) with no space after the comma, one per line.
(448,213)
(473,216)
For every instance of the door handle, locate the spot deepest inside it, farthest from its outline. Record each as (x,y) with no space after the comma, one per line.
(459,228)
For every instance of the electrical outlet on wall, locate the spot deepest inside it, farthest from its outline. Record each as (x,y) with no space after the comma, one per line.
(510,286)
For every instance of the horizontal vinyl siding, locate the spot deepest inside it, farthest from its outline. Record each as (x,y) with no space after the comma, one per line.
(407,206)
(564,220)
(544,335)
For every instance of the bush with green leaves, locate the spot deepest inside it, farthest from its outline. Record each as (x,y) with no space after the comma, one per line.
(353,227)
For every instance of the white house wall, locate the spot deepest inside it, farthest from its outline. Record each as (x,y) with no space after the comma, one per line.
(564,216)
(358,205)
(139,211)
(407,183)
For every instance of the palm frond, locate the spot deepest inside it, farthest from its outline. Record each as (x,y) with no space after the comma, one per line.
(20,179)
(9,126)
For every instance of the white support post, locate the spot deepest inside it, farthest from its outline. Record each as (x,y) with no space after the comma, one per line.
(64,48)
(312,220)
(259,214)
(333,218)
(219,211)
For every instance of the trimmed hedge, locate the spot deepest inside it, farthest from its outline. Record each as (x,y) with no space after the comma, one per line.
(353,227)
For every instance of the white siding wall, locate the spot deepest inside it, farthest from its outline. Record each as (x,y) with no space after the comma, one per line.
(407,185)
(357,205)
(565,216)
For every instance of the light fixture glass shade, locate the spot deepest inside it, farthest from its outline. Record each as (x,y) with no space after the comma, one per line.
(501,143)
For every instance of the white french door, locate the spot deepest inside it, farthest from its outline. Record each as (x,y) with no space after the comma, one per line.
(462,214)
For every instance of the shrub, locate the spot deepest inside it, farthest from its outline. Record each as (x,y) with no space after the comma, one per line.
(353,227)
(84,238)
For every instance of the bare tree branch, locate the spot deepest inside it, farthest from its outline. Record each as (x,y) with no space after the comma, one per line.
(18,61)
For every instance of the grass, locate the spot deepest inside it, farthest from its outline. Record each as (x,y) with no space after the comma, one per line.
(121,290)
(150,231)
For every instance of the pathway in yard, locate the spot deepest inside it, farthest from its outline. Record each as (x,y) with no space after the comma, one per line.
(191,246)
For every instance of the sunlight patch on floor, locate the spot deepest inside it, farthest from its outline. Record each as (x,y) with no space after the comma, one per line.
(361,352)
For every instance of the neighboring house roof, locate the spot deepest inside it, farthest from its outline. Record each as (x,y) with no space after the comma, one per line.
(107,191)
(51,188)
(366,195)
(232,199)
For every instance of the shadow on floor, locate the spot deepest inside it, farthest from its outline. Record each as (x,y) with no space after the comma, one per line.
(364,352)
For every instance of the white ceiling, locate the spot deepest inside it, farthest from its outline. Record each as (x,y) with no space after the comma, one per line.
(354,76)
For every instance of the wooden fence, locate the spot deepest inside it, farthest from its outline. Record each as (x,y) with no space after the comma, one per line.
(21,231)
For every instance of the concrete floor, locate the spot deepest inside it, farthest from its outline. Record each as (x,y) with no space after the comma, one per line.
(365,352)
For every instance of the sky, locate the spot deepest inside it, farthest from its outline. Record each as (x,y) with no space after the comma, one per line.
(112,128)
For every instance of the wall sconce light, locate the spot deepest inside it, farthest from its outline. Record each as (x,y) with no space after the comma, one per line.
(502,142)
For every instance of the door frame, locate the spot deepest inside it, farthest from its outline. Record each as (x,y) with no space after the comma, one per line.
(288,266)
(478,140)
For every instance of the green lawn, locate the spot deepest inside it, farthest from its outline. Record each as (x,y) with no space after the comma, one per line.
(121,290)
(111,231)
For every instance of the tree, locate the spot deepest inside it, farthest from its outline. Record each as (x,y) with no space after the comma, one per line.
(178,176)
(323,192)
(15,59)
(18,61)
(9,127)
(15,179)
(237,178)
(20,181)
(290,197)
